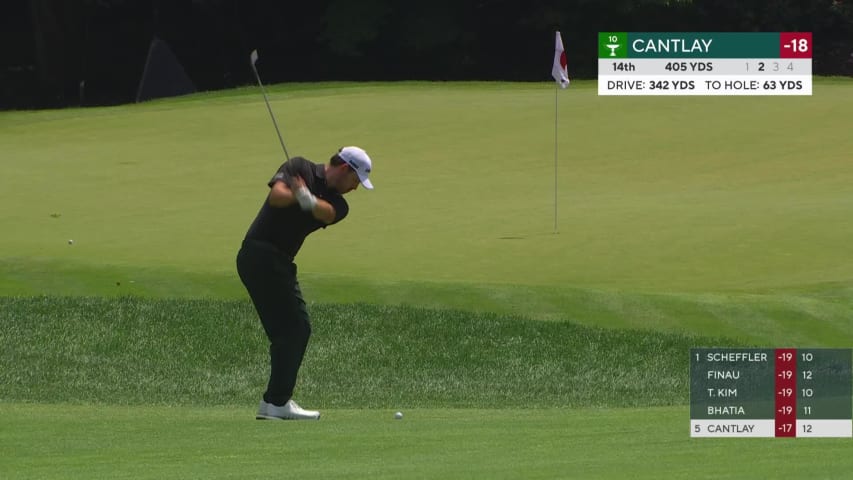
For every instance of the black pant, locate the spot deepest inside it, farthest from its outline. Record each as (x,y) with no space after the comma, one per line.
(270,278)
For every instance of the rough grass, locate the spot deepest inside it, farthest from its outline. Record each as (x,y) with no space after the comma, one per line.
(128,350)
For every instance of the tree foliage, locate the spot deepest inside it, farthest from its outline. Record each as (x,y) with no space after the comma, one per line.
(61,52)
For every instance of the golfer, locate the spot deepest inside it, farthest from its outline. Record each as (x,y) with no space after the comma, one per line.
(303,197)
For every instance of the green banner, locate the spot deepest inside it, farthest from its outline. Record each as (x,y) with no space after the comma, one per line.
(688,45)
(612,45)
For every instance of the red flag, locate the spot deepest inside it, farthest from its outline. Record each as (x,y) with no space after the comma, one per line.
(559,71)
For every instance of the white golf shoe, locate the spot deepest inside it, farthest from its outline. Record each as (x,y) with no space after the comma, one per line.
(288,411)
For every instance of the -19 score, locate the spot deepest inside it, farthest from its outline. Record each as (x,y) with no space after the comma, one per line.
(788,356)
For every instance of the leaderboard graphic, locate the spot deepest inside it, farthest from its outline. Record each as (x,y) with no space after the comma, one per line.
(782,392)
(704,63)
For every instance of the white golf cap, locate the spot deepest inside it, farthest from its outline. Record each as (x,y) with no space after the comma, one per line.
(358,160)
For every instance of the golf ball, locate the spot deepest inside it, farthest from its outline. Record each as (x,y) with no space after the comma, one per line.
(70,242)
(398,415)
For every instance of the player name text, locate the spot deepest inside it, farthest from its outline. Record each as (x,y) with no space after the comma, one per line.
(724,375)
(737,357)
(671,45)
(722,392)
(733,410)
(730,428)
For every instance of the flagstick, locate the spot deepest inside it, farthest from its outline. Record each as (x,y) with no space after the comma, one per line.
(561,76)
(556,111)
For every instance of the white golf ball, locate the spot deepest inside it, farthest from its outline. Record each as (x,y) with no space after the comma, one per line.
(398,415)
(70,242)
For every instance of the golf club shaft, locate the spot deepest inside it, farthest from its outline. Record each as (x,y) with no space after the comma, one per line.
(254,58)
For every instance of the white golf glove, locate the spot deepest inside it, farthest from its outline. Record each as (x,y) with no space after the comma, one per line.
(307,200)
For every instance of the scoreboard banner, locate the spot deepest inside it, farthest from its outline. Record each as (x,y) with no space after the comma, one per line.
(704,63)
(782,392)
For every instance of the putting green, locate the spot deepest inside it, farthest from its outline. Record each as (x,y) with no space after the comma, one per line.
(654,194)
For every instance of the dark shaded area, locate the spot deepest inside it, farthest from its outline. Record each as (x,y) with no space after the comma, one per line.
(92,52)
(163,75)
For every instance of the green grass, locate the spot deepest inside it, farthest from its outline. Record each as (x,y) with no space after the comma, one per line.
(682,222)
(96,442)
(699,194)
(816,315)
(204,352)
(696,214)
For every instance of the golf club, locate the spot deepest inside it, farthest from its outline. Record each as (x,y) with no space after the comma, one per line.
(254,58)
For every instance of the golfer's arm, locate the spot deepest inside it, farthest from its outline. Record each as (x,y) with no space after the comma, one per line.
(282,196)
(324,211)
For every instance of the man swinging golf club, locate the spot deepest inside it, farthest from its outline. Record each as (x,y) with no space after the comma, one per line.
(303,197)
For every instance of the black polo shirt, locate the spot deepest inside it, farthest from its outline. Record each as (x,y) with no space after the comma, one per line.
(286,228)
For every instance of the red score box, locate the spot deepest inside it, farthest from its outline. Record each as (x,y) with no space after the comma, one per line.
(795,45)
(786,392)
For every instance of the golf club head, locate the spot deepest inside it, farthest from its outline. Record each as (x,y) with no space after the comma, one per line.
(254,57)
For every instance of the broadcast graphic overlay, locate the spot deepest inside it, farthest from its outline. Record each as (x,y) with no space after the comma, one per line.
(764,392)
(704,63)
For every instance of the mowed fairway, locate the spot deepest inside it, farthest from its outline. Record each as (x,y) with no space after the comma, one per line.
(158,442)
(681,222)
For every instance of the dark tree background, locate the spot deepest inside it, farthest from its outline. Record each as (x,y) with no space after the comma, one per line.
(92,52)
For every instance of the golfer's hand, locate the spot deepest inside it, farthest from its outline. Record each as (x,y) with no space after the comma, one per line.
(297,183)
(307,200)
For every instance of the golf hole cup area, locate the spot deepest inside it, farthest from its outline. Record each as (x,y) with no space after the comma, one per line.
(705,63)
(771,392)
